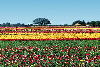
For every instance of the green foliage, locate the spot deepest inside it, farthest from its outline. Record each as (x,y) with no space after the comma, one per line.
(79,22)
(41,21)
(61,43)
(94,23)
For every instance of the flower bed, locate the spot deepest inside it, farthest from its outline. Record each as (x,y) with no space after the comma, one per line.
(48,35)
(51,33)
(63,47)
(50,53)
(47,28)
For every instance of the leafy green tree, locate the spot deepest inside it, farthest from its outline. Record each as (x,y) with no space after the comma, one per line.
(79,22)
(41,21)
(8,24)
(98,23)
(18,24)
(65,24)
(94,23)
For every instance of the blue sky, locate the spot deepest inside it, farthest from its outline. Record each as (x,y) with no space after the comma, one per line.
(57,11)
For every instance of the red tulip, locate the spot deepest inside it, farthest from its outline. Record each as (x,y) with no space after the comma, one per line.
(87,54)
(24,61)
(43,55)
(98,57)
(38,55)
(0,62)
(66,62)
(93,47)
(32,61)
(6,60)
(88,60)
(17,48)
(62,50)
(44,60)
(36,58)
(11,59)
(30,47)
(49,62)
(60,58)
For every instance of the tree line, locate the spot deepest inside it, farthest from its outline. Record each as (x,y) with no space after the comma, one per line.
(46,22)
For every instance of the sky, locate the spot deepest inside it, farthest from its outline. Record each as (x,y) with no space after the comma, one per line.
(57,11)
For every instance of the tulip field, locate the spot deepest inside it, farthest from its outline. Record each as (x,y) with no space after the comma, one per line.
(50,46)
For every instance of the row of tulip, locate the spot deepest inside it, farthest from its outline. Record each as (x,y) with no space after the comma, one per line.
(46,56)
(49,56)
(47,35)
(57,31)
(55,27)
(49,30)
(49,39)
(14,28)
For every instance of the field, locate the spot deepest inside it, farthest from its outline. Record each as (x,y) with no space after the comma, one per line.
(50,47)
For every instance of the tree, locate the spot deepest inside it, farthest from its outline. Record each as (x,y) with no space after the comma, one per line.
(18,24)
(79,22)
(41,21)
(94,23)
(98,23)
(3,25)
(8,24)
(23,25)
(65,24)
